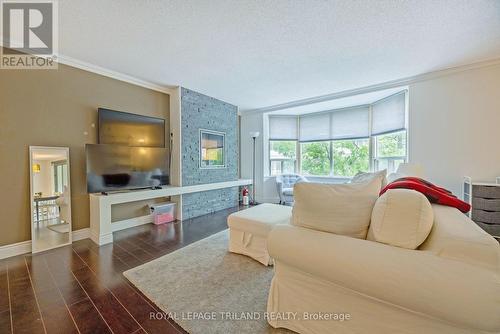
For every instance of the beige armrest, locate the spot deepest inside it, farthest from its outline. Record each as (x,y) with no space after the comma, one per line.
(413,279)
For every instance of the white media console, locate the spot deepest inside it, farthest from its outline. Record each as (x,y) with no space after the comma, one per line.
(101,226)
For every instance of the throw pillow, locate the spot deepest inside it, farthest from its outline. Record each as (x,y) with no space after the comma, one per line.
(366,177)
(402,218)
(336,208)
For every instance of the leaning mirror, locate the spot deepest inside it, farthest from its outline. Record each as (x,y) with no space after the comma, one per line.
(50,197)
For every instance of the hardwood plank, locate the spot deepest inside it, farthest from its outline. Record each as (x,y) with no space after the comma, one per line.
(55,314)
(69,287)
(118,319)
(81,288)
(88,320)
(137,305)
(5,322)
(4,289)
(26,317)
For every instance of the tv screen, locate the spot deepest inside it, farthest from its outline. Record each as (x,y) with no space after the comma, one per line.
(121,128)
(114,167)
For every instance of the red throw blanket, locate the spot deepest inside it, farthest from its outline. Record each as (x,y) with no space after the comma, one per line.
(434,193)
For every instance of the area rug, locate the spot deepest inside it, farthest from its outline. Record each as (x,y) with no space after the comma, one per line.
(206,289)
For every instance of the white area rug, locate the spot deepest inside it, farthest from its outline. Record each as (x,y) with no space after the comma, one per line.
(206,289)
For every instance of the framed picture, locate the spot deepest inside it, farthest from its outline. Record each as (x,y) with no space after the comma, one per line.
(212,149)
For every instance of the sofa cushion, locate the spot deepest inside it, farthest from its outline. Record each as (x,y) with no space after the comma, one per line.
(367,177)
(402,218)
(336,208)
(413,280)
(454,236)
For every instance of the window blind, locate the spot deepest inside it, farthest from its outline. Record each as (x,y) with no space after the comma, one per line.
(350,123)
(337,124)
(283,128)
(388,115)
(314,127)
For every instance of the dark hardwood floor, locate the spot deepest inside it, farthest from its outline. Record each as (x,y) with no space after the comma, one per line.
(81,288)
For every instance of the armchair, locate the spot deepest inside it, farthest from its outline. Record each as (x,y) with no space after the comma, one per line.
(285,183)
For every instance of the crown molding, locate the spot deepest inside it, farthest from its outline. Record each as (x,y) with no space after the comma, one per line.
(372,88)
(69,61)
(76,63)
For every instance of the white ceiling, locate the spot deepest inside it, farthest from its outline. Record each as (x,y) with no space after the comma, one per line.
(258,53)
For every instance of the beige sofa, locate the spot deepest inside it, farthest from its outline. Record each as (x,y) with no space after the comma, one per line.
(450,284)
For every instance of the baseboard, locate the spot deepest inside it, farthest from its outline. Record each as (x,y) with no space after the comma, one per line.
(24,247)
(132,222)
(101,239)
(15,249)
(81,234)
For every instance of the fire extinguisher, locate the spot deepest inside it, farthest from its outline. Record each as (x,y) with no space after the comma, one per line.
(244,195)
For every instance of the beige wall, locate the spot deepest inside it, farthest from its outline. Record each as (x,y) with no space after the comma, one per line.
(56,108)
(455,126)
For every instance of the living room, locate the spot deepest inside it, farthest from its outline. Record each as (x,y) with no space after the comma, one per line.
(250,167)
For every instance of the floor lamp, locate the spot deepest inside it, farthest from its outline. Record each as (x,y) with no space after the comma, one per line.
(254,135)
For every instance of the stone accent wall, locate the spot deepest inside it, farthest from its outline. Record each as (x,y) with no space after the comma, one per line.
(199,111)
(198,204)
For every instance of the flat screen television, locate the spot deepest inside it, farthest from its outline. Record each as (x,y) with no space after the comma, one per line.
(117,167)
(121,128)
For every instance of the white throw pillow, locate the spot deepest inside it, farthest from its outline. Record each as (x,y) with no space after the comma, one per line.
(367,177)
(402,217)
(336,208)
(394,176)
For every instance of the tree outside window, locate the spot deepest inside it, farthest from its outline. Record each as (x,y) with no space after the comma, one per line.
(390,150)
(315,158)
(283,156)
(351,157)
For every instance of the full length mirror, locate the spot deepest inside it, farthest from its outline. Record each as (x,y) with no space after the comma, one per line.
(50,197)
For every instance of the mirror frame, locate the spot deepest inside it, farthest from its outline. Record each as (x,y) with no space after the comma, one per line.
(33,149)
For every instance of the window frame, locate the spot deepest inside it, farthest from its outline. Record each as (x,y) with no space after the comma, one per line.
(295,165)
(59,167)
(376,159)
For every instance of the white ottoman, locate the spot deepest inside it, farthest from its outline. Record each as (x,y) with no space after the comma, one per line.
(248,229)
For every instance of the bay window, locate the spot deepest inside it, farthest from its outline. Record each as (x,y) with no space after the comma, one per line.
(341,142)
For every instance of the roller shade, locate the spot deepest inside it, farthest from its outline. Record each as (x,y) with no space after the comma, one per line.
(388,115)
(283,128)
(350,123)
(315,127)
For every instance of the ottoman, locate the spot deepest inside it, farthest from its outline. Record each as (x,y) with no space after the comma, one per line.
(248,229)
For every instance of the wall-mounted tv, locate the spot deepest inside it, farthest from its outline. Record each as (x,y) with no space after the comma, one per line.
(121,128)
(117,167)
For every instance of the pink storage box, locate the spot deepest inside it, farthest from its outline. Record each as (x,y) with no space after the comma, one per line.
(162,218)
(163,212)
